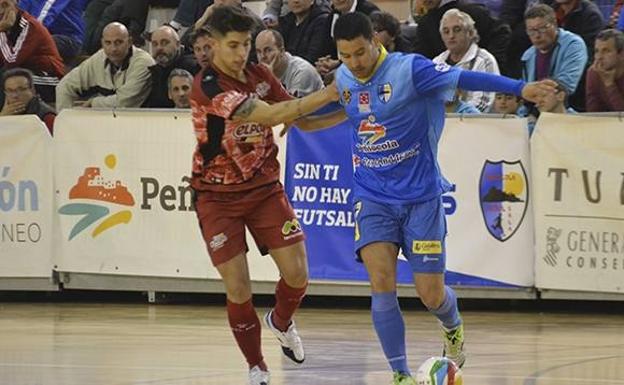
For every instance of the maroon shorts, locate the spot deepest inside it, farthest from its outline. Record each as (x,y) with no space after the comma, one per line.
(264,210)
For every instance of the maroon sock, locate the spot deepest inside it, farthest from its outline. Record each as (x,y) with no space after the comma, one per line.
(246,329)
(287,300)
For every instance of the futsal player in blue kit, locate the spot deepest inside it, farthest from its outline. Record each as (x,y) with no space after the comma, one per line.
(395,104)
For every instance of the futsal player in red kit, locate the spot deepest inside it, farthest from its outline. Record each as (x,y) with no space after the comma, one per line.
(236,179)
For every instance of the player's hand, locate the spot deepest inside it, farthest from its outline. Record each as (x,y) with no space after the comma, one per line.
(534,91)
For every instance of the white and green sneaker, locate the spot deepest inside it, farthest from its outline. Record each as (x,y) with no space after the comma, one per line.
(402,379)
(454,345)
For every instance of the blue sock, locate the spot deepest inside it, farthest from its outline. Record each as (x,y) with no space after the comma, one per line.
(390,329)
(448,313)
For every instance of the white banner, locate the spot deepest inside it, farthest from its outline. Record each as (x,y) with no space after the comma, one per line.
(25,198)
(489,214)
(124,200)
(579,189)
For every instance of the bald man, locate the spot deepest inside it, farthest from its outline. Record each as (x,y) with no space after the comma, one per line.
(297,75)
(116,76)
(167,51)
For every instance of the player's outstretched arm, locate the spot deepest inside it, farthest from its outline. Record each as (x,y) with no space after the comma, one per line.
(482,81)
(317,122)
(258,111)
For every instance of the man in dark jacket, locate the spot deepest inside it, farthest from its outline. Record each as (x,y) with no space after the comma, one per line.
(306,29)
(21,97)
(167,52)
(493,33)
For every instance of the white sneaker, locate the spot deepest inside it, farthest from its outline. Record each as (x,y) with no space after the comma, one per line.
(290,340)
(258,376)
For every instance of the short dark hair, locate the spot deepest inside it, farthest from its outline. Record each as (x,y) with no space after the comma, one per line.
(614,34)
(18,72)
(181,73)
(384,21)
(196,34)
(541,10)
(353,25)
(226,19)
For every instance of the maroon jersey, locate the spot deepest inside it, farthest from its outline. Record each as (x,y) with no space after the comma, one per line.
(233,156)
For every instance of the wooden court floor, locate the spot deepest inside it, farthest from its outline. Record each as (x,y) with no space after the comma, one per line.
(109,344)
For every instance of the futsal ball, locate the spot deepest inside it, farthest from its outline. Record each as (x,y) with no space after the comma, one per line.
(439,371)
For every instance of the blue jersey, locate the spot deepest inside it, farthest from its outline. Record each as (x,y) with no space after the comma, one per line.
(397,116)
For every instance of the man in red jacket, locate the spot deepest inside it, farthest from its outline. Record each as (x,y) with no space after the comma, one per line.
(26,43)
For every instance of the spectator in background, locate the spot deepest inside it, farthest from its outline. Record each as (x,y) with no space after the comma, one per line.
(326,65)
(180,83)
(21,97)
(605,78)
(581,17)
(63,19)
(188,12)
(507,104)
(26,43)
(614,17)
(200,41)
(555,53)
(117,76)
(273,11)
(297,75)
(584,18)
(388,31)
(168,54)
(306,29)
(494,34)
(620,24)
(512,13)
(460,38)
(100,13)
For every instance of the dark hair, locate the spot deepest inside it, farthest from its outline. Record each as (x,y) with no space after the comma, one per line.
(384,21)
(18,72)
(353,25)
(196,34)
(541,10)
(181,73)
(226,19)
(614,34)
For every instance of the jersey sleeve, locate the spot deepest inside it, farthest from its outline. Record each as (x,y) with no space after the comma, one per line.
(434,80)
(226,103)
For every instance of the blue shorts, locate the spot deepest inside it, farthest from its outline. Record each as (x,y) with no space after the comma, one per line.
(418,229)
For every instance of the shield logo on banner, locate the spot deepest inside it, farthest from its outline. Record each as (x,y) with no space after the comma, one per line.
(504,194)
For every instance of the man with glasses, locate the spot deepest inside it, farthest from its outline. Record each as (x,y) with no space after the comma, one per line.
(22,99)
(555,52)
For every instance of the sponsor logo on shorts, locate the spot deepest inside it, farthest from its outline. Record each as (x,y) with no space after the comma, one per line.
(218,241)
(291,228)
(427,247)
(430,259)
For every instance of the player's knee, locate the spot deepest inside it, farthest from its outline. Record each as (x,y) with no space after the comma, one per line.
(383,281)
(298,278)
(432,299)
(239,293)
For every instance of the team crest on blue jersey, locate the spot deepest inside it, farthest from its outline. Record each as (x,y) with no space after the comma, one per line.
(370,132)
(504,196)
(385,92)
(346,96)
(442,67)
(364,102)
